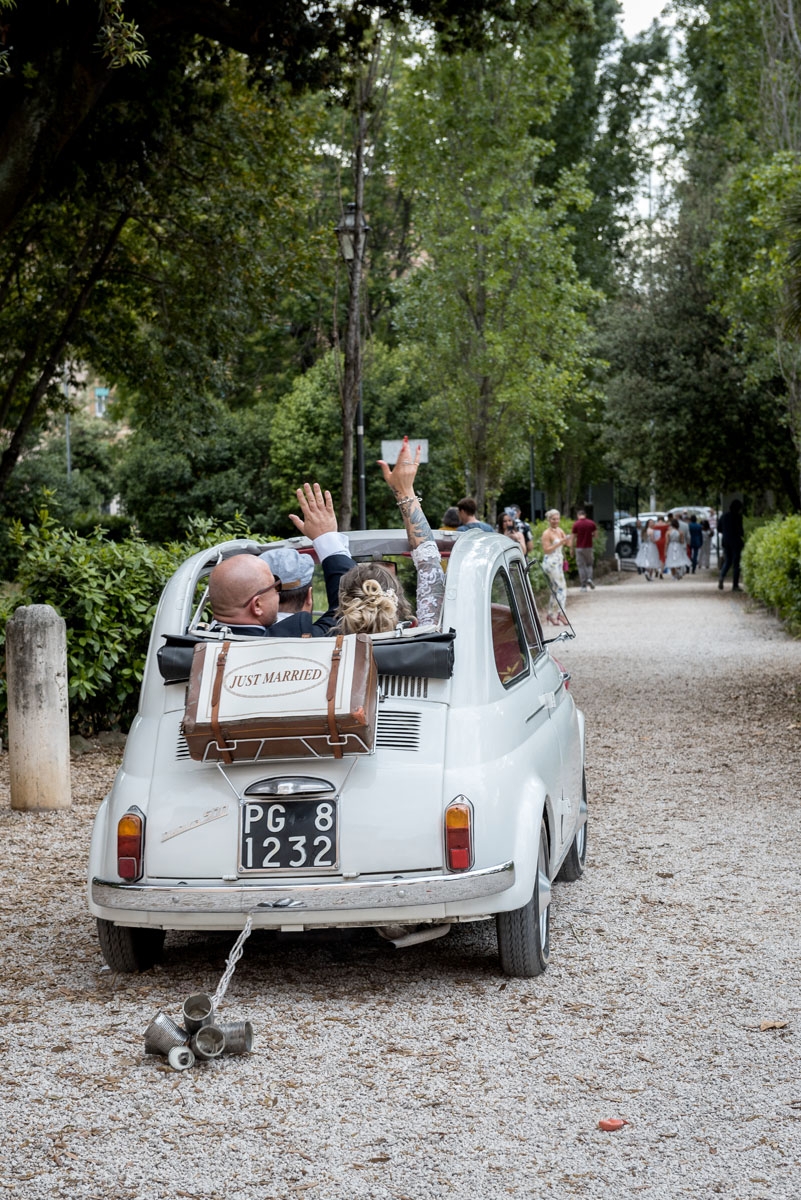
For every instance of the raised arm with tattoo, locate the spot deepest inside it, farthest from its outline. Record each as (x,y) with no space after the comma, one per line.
(425,554)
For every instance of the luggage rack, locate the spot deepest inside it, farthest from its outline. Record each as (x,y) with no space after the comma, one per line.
(306,741)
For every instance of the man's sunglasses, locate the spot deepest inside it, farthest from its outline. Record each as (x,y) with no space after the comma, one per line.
(276,583)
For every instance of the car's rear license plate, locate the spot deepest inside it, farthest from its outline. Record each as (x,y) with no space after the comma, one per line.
(289,835)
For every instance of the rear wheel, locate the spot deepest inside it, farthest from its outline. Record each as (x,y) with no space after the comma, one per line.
(524,935)
(128,950)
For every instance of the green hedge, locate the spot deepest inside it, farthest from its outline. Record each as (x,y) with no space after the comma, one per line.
(107,592)
(772,567)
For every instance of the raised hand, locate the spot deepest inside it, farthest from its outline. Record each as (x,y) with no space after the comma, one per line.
(318,512)
(401,478)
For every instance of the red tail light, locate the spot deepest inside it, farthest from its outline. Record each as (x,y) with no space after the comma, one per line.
(130,845)
(565,674)
(459,834)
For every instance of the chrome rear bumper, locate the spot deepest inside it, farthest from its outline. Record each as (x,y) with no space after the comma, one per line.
(336,896)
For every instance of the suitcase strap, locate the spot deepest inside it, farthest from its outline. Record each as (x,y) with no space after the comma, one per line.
(215,703)
(334,739)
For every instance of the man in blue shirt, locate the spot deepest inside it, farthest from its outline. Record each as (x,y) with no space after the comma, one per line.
(696,539)
(467,515)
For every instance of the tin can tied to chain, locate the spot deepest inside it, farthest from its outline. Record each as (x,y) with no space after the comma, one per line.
(238,1036)
(162,1034)
(198,1011)
(208,1042)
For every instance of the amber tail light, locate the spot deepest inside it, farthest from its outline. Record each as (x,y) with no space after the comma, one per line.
(459,834)
(130,845)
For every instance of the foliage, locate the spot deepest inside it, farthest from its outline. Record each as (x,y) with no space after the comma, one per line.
(306,442)
(743,61)
(202,242)
(64,61)
(495,303)
(213,464)
(599,123)
(107,593)
(681,387)
(772,567)
(91,485)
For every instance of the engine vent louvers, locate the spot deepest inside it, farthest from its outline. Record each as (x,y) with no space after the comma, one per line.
(415,687)
(398,730)
(181,748)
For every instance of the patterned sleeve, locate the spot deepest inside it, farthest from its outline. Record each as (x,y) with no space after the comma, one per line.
(430,583)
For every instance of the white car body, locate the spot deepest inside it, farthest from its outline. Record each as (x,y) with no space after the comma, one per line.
(515,751)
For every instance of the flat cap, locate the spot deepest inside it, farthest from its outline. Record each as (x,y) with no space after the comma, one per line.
(293,569)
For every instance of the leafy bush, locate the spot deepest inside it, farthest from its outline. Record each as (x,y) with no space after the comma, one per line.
(772,567)
(107,593)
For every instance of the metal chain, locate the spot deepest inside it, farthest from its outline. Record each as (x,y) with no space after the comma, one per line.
(231,961)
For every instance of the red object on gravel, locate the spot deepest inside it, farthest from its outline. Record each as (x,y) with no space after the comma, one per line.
(612,1124)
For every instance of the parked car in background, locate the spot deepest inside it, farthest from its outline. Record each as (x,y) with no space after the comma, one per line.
(467,804)
(702,512)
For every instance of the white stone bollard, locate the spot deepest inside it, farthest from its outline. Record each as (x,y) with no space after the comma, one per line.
(38,709)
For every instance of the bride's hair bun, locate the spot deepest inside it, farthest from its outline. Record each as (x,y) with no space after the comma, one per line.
(371,600)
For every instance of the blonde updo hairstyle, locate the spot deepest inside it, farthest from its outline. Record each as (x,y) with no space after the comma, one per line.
(371,600)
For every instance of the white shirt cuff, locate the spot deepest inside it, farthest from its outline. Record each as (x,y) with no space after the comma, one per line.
(330,543)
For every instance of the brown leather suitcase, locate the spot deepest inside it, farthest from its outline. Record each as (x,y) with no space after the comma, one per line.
(260,698)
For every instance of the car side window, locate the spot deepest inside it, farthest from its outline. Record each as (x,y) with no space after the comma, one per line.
(508,643)
(528,609)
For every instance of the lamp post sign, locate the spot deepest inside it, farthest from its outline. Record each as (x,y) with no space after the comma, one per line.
(391,449)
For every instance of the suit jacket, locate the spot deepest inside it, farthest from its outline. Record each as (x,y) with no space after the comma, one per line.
(298,624)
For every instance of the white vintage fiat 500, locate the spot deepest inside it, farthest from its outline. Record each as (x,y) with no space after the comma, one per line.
(464,803)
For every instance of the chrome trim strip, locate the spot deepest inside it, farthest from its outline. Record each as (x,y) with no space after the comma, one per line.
(313,897)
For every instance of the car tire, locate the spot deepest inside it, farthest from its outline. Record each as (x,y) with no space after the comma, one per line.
(573,866)
(624,550)
(524,934)
(128,950)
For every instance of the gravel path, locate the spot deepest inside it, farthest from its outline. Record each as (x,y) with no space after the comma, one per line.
(422,1073)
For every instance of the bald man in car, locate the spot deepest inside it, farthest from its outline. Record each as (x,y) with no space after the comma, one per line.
(244,593)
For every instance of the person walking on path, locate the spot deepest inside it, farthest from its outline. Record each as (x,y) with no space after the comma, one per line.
(647,558)
(696,541)
(706,545)
(553,564)
(583,534)
(660,529)
(676,556)
(733,537)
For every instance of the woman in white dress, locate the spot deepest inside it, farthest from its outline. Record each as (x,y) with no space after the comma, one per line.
(676,556)
(647,558)
(553,564)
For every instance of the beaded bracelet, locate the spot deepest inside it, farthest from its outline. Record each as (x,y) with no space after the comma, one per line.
(409,500)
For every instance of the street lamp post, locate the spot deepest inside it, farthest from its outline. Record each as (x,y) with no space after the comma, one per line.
(66,389)
(352,233)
